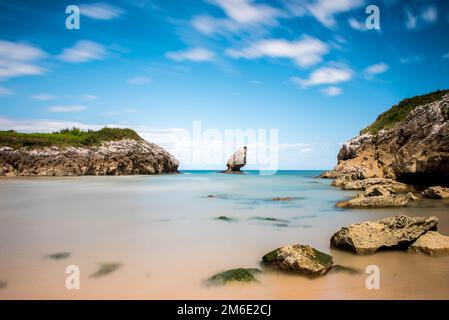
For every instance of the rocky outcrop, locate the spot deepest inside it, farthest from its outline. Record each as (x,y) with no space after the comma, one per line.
(299,259)
(370,202)
(347,183)
(431,243)
(124,157)
(414,150)
(237,161)
(392,232)
(436,193)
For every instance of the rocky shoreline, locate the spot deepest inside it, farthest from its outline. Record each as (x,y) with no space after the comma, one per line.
(123,157)
(397,162)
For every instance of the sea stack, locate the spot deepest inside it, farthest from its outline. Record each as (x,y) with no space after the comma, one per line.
(236,161)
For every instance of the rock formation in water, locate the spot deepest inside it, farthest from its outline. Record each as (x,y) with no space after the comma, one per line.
(431,243)
(436,192)
(388,233)
(408,143)
(237,161)
(123,157)
(299,259)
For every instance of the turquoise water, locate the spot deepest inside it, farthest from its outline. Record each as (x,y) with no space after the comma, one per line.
(164,233)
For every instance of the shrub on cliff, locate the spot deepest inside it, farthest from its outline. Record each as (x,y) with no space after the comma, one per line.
(65,138)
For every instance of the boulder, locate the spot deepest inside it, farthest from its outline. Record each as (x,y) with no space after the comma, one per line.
(379,190)
(392,232)
(365,202)
(234,275)
(237,161)
(431,243)
(436,193)
(301,259)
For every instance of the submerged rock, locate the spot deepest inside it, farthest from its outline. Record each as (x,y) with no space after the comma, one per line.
(105,269)
(58,255)
(436,193)
(234,275)
(227,219)
(237,161)
(283,199)
(364,202)
(344,269)
(431,243)
(301,259)
(392,232)
(3,284)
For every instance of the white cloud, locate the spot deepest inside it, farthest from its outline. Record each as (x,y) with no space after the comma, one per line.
(429,14)
(305,52)
(325,75)
(357,25)
(255,82)
(425,16)
(325,10)
(374,69)
(240,14)
(43,96)
(100,11)
(5,91)
(332,91)
(83,51)
(18,59)
(139,80)
(193,54)
(301,147)
(446,56)
(74,108)
(411,59)
(89,97)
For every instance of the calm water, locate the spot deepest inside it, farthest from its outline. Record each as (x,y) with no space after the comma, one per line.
(161,229)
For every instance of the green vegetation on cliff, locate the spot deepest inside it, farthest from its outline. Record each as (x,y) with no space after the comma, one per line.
(399,112)
(65,138)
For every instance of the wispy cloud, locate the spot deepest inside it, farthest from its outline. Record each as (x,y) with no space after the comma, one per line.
(193,54)
(43,96)
(5,91)
(101,11)
(325,11)
(240,14)
(332,91)
(19,59)
(356,24)
(446,56)
(375,69)
(305,52)
(66,109)
(138,80)
(424,16)
(89,97)
(325,75)
(83,51)
(411,59)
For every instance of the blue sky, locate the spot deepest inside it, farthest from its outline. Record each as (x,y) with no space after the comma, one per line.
(309,69)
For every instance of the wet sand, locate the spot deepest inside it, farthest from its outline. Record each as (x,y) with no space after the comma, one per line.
(162,232)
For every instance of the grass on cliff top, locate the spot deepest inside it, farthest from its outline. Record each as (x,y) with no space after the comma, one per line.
(65,138)
(399,112)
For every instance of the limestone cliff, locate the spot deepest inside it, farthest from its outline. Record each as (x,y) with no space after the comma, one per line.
(408,143)
(123,157)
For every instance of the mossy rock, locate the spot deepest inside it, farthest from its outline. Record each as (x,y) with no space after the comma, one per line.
(58,255)
(344,269)
(105,269)
(227,219)
(300,259)
(234,275)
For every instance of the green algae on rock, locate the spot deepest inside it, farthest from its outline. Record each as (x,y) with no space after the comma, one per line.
(301,259)
(105,269)
(234,275)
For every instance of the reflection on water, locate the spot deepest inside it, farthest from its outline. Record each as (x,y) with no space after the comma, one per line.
(167,227)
